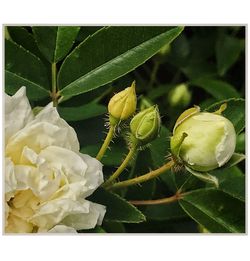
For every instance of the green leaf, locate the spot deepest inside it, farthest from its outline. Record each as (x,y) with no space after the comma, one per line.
(117,208)
(22,68)
(21,36)
(112,157)
(114,227)
(184,181)
(159,148)
(86,31)
(240,143)
(146,189)
(232,182)
(228,50)
(159,91)
(220,90)
(165,212)
(215,210)
(235,112)
(235,187)
(55,41)
(204,176)
(235,159)
(83,112)
(169,180)
(109,54)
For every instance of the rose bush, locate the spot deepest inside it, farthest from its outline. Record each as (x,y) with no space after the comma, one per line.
(46,178)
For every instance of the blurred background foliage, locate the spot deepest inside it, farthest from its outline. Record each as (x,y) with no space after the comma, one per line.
(202,66)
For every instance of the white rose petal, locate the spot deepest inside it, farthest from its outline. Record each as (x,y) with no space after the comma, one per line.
(93,174)
(10,179)
(88,220)
(17,112)
(62,229)
(50,115)
(46,178)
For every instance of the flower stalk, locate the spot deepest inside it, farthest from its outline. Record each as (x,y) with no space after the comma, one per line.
(124,164)
(106,143)
(152,174)
(121,106)
(54,94)
(160,201)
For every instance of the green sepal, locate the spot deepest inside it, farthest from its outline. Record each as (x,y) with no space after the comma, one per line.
(204,176)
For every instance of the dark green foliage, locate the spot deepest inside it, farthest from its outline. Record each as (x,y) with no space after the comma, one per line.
(93,63)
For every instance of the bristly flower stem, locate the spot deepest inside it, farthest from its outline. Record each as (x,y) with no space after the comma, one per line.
(152,174)
(106,142)
(124,164)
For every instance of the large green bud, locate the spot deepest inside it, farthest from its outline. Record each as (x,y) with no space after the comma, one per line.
(145,126)
(203,141)
(122,105)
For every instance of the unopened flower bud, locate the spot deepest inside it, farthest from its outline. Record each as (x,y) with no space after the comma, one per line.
(165,50)
(37,109)
(203,141)
(122,105)
(179,96)
(145,125)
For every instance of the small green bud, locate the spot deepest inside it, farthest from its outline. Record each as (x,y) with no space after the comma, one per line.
(145,125)
(37,109)
(122,105)
(203,141)
(179,96)
(165,50)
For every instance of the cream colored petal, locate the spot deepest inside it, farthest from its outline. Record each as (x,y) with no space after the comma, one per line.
(18,112)
(62,229)
(86,220)
(25,176)
(93,174)
(67,161)
(50,115)
(10,179)
(18,225)
(226,147)
(37,137)
(30,157)
(54,211)
(72,191)
(42,180)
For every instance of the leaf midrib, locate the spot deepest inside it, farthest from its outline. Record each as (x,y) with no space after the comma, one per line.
(18,76)
(54,55)
(69,86)
(217,220)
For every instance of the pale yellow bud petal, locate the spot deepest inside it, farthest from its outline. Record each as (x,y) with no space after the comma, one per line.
(123,104)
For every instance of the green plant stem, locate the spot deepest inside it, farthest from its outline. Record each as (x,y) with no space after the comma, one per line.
(54,93)
(167,200)
(124,164)
(152,174)
(106,142)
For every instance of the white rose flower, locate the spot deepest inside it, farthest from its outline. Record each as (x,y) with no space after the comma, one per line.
(46,178)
